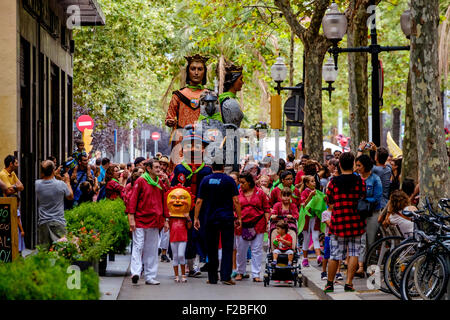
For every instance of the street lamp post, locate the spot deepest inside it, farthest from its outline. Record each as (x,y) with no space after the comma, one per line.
(335,26)
(279,74)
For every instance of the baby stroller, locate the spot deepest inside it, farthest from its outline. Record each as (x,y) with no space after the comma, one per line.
(282,271)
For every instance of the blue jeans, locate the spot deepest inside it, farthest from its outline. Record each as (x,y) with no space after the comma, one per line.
(326,248)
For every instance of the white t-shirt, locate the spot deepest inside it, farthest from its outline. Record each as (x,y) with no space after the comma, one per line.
(326,216)
(406,226)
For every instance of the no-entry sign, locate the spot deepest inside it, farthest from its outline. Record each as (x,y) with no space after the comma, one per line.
(156,135)
(85,122)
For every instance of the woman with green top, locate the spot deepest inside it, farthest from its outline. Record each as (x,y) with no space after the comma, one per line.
(114,189)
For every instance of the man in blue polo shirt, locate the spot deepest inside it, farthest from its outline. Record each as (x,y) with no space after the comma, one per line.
(217,196)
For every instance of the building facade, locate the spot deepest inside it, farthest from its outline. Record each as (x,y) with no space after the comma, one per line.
(36,76)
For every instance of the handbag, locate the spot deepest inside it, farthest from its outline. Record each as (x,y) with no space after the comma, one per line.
(248,228)
(365,208)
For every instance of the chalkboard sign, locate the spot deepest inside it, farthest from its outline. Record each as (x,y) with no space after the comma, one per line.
(9,234)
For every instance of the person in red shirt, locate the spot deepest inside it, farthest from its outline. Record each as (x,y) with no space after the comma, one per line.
(285,209)
(146,216)
(136,173)
(178,240)
(255,211)
(300,172)
(283,243)
(312,224)
(287,180)
(114,189)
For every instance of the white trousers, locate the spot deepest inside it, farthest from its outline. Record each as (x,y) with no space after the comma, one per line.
(178,252)
(256,246)
(315,235)
(145,251)
(164,239)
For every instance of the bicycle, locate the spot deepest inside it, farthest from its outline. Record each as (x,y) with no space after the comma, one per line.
(391,254)
(376,257)
(426,275)
(401,255)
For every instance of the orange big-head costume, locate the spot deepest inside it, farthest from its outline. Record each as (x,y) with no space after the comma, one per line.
(179,200)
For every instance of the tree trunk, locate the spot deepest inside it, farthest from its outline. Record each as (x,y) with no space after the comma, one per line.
(315,46)
(409,147)
(434,176)
(315,53)
(357,74)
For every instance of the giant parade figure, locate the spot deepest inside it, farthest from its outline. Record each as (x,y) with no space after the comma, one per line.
(184,108)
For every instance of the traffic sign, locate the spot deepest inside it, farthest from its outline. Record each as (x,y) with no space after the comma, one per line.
(156,136)
(293,107)
(85,122)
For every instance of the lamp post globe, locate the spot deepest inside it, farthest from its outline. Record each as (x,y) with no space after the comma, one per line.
(334,24)
(329,72)
(279,70)
(405,23)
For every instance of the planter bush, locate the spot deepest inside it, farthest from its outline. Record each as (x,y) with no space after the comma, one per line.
(83,245)
(106,217)
(44,276)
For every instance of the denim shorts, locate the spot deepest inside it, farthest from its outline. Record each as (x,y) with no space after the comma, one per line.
(326,248)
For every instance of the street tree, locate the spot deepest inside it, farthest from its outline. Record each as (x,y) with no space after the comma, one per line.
(315,46)
(434,175)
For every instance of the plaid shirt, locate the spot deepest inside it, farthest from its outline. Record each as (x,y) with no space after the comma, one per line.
(345,221)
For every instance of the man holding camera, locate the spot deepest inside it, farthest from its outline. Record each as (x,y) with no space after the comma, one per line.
(50,194)
(81,173)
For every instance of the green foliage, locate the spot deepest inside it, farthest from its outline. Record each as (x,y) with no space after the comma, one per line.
(106,217)
(45,276)
(84,245)
(129,64)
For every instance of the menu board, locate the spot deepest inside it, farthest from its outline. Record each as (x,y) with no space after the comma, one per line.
(9,234)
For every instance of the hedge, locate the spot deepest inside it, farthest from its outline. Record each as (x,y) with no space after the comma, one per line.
(107,217)
(45,276)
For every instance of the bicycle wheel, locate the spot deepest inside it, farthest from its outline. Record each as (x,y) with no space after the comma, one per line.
(377,255)
(396,263)
(425,277)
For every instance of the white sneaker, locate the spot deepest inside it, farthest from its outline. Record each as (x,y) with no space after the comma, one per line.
(152,281)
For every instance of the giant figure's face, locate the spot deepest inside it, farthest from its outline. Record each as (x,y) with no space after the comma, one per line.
(196,72)
(179,202)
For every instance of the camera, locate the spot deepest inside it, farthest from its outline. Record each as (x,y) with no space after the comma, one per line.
(367,146)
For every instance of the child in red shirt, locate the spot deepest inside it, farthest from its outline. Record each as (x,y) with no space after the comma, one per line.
(283,243)
(178,240)
(285,208)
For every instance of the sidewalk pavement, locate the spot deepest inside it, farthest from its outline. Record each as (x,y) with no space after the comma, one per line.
(313,281)
(116,271)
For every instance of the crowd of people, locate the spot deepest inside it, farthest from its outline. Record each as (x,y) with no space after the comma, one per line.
(232,210)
